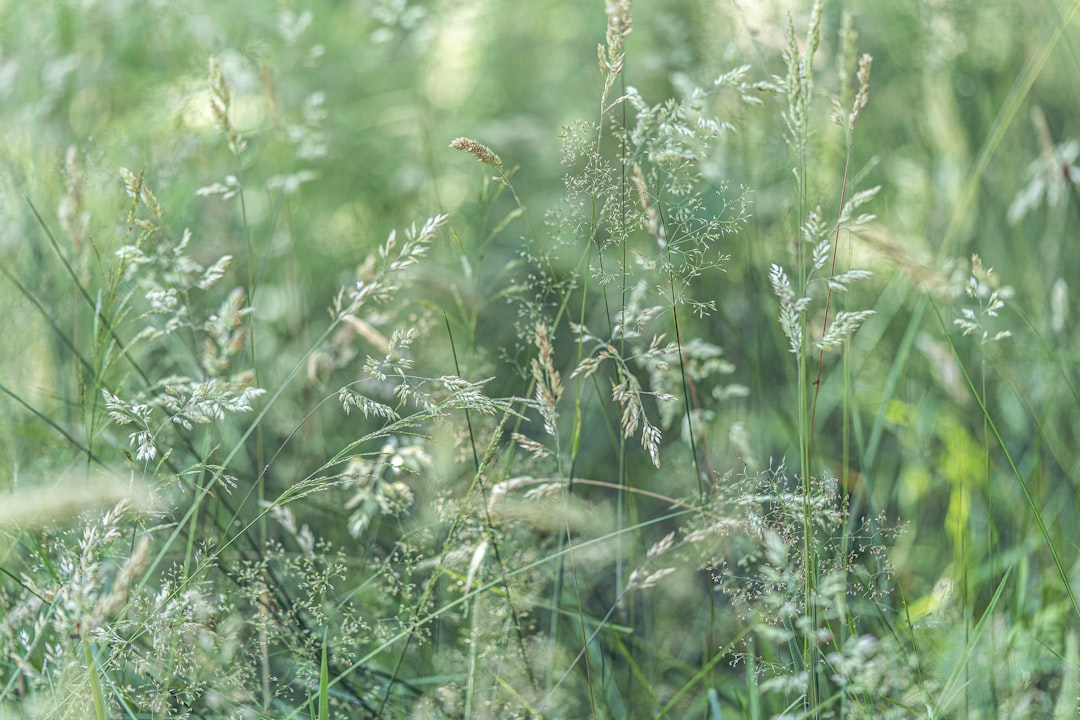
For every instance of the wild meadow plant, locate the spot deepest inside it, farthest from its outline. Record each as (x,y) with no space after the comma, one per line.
(652,234)
(526,492)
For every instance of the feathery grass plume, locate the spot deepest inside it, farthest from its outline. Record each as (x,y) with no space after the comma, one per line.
(478,150)
(537,450)
(798,83)
(118,594)
(851,101)
(376,276)
(626,389)
(612,53)
(666,149)
(639,579)
(382,275)
(845,66)
(821,239)
(985,288)
(843,325)
(792,309)
(71,211)
(862,96)
(549,388)
(754,548)
(220,102)
(141,195)
(186,403)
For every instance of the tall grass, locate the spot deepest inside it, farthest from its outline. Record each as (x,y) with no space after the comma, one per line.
(678,438)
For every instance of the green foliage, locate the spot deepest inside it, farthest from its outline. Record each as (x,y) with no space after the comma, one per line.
(648,418)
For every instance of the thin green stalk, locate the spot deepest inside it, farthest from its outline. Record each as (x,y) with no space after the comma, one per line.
(800,94)
(324,684)
(100,709)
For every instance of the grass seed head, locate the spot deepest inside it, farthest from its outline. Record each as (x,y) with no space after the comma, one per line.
(478,150)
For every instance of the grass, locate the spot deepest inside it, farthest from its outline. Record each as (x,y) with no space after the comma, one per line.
(387,361)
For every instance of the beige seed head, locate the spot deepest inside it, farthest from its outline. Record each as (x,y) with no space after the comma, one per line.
(478,150)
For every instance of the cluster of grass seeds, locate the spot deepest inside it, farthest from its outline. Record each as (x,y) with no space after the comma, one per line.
(749,540)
